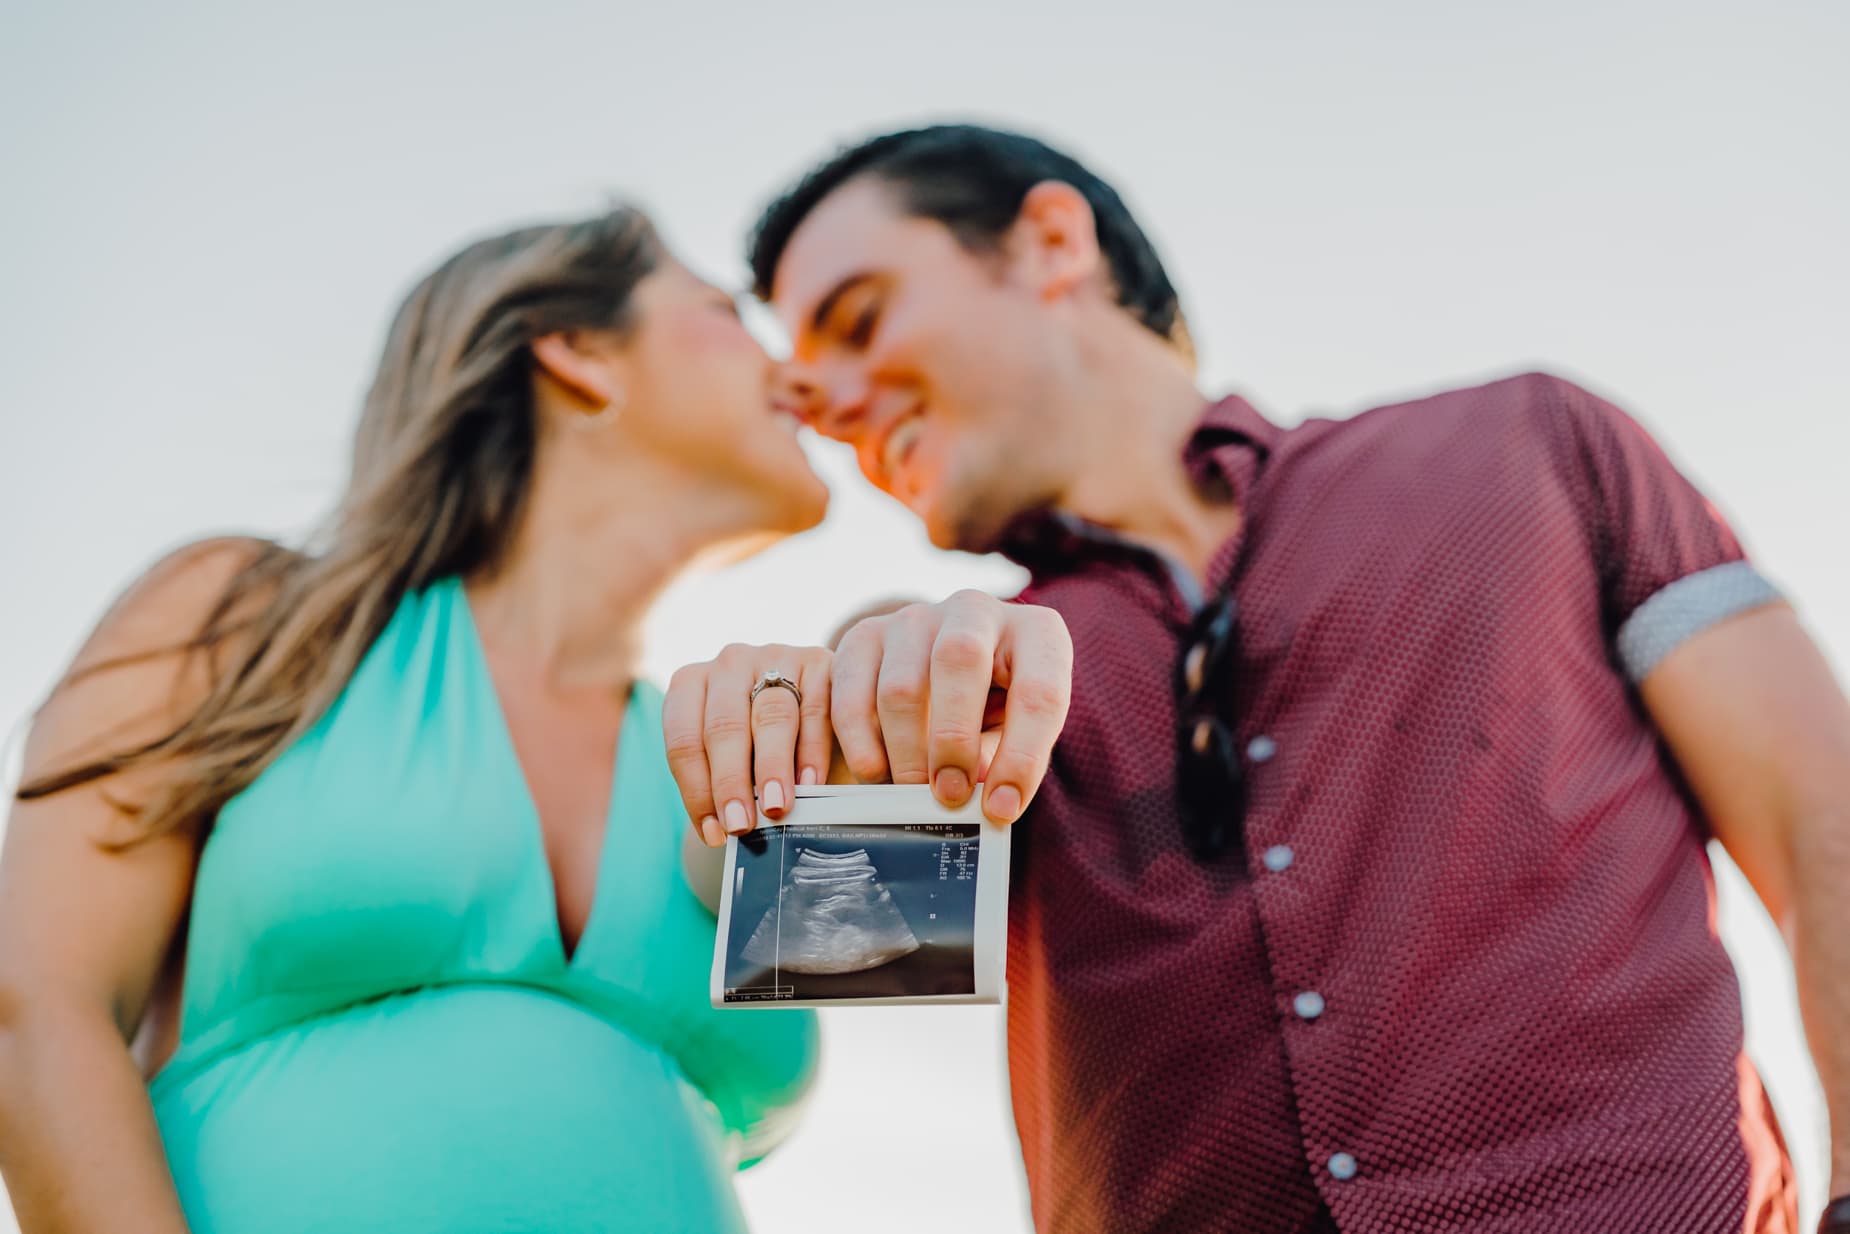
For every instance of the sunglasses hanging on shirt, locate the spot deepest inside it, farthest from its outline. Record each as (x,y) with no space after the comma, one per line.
(1210,780)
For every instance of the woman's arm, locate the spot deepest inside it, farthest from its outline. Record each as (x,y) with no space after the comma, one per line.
(85,930)
(703,867)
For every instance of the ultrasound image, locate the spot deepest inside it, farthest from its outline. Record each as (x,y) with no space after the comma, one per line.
(834,917)
(827,911)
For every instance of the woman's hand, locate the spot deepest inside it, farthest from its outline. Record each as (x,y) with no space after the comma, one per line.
(723,737)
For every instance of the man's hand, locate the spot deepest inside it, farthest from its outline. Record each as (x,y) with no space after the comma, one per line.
(914,691)
(913,694)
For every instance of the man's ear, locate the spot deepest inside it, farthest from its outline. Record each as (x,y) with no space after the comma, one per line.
(1055,238)
(586,370)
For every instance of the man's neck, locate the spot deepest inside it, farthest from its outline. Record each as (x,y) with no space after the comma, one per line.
(1141,408)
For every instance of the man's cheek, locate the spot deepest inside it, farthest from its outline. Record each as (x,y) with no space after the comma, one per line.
(872,475)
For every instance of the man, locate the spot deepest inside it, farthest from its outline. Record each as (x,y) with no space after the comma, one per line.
(1367,888)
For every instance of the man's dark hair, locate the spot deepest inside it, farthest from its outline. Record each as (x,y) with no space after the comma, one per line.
(973,180)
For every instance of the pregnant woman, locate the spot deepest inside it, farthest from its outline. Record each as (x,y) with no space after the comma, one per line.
(343,891)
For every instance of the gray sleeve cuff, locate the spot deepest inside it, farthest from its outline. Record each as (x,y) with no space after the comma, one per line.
(1686,608)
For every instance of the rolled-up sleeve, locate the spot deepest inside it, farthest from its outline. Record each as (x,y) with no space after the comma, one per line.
(1669,565)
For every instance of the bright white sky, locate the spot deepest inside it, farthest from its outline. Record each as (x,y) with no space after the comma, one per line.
(211,211)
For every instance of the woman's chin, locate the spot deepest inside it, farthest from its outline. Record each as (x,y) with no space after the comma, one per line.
(786,513)
(793,493)
(808,502)
(773,486)
(785,501)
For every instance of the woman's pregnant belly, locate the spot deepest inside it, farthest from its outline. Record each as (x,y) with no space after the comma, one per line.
(462,1108)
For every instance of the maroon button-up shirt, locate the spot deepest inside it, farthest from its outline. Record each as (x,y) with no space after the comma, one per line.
(1465,972)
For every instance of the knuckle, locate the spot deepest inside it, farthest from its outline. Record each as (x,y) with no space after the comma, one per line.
(1016,765)
(860,631)
(962,649)
(684,746)
(724,727)
(1040,696)
(775,706)
(952,738)
(732,782)
(850,680)
(1039,617)
(902,694)
(858,648)
(915,619)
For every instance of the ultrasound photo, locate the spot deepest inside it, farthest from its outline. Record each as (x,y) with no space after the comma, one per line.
(847,912)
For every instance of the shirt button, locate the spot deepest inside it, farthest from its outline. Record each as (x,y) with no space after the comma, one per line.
(1261,749)
(1342,1167)
(1278,858)
(1308,1005)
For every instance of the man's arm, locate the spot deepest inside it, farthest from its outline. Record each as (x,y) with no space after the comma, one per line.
(1761,732)
(1740,695)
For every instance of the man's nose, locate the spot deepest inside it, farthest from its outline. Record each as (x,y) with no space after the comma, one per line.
(831,399)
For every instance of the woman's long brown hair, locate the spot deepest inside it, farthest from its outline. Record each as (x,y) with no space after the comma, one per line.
(442,464)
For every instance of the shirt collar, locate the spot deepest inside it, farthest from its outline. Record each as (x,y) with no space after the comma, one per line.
(1232,441)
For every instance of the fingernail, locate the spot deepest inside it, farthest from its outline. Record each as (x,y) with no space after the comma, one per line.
(808,776)
(952,786)
(738,822)
(1004,803)
(711,832)
(773,796)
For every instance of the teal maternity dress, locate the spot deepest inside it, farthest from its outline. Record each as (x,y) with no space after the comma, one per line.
(381,1030)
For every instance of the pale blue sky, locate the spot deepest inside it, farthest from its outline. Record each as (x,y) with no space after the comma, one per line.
(210,211)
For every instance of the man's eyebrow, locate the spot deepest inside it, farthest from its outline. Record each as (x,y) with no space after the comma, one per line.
(828,303)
